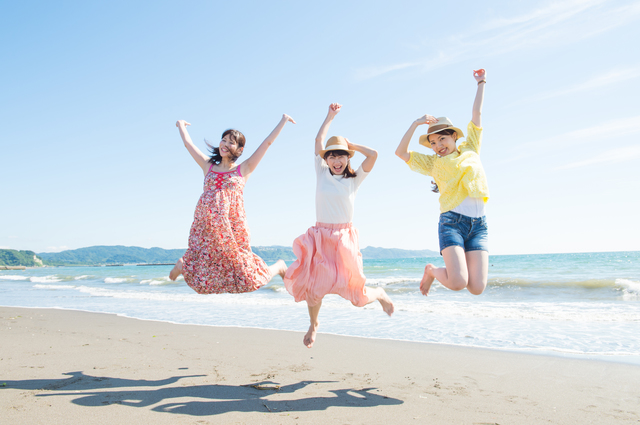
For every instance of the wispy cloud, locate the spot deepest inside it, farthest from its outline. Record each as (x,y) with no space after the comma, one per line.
(612,77)
(610,157)
(609,130)
(376,71)
(551,25)
(604,131)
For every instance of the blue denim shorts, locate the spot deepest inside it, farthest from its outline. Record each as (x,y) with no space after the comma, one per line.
(470,233)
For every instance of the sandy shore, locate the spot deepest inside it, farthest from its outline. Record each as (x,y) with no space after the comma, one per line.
(73,367)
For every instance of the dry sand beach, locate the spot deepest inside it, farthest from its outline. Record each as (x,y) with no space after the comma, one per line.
(61,366)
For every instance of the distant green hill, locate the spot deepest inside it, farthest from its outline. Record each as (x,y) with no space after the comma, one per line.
(98,255)
(101,255)
(12,257)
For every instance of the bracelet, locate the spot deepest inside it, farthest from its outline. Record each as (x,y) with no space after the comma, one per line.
(482,81)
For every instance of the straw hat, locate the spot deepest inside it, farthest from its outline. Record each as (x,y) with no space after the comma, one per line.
(337,143)
(443,123)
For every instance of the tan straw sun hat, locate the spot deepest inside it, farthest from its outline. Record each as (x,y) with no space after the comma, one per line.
(337,143)
(443,123)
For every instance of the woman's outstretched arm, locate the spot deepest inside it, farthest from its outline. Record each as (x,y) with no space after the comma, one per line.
(247,167)
(476,114)
(196,154)
(334,108)
(370,155)
(402,151)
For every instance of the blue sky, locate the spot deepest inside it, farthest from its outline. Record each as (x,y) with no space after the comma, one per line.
(91,91)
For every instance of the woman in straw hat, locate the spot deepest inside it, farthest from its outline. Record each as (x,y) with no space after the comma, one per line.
(461,181)
(328,255)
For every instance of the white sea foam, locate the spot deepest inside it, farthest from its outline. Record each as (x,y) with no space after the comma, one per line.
(157,281)
(12,277)
(54,286)
(385,281)
(84,276)
(115,280)
(630,289)
(45,279)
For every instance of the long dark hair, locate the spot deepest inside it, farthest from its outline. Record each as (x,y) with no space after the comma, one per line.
(234,135)
(447,132)
(348,171)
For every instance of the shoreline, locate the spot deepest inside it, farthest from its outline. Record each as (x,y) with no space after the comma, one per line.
(630,359)
(65,366)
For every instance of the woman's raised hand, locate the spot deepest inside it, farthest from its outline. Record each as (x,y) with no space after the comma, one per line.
(182,123)
(334,108)
(426,119)
(286,118)
(480,74)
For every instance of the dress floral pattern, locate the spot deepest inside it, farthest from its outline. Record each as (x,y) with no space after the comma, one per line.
(219,258)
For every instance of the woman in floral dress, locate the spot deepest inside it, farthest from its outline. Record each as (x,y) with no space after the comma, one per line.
(219,258)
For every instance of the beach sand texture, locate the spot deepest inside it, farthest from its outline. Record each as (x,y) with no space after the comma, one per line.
(61,366)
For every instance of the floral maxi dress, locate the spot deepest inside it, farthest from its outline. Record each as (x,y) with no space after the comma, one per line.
(219,258)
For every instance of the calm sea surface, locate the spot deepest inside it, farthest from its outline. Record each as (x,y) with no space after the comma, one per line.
(577,305)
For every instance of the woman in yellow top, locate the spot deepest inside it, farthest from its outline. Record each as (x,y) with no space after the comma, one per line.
(462,184)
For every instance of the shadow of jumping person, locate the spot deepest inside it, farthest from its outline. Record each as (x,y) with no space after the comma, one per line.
(80,381)
(230,398)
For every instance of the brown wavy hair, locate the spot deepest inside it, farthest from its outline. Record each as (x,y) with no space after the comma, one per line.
(234,135)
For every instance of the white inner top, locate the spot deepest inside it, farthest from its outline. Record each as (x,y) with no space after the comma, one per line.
(335,195)
(471,207)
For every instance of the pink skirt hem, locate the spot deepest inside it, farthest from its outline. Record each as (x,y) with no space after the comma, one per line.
(328,262)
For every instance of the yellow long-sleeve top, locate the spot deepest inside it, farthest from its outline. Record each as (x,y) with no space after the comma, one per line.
(457,175)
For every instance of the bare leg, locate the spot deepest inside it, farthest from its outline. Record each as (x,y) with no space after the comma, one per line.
(454,275)
(280,267)
(177,270)
(310,336)
(478,264)
(379,294)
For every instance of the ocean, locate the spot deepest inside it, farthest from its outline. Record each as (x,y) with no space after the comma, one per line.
(584,305)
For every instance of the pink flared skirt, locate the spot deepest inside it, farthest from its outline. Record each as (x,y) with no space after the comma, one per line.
(328,262)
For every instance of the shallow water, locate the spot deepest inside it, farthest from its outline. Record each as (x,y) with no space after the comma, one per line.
(578,305)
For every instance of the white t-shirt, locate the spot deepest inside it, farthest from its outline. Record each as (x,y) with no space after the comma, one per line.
(471,207)
(335,195)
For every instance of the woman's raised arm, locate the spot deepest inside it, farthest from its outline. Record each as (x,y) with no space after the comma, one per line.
(402,151)
(196,154)
(334,108)
(476,114)
(247,167)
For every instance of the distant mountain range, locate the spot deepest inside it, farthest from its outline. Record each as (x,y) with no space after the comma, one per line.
(109,255)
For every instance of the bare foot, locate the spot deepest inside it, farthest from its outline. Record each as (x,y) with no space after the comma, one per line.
(427,279)
(386,303)
(310,336)
(177,270)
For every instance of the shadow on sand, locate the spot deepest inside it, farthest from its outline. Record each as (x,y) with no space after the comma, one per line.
(200,400)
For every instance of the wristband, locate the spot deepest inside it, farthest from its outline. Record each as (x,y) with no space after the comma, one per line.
(482,81)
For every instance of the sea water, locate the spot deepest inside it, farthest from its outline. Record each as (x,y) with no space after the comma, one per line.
(583,305)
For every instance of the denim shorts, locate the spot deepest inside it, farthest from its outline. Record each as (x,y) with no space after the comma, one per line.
(470,233)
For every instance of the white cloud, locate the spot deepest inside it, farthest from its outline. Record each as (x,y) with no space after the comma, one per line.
(609,130)
(612,77)
(613,156)
(554,24)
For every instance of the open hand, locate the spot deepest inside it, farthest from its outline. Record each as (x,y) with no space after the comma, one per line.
(286,118)
(182,123)
(480,74)
(426,119)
